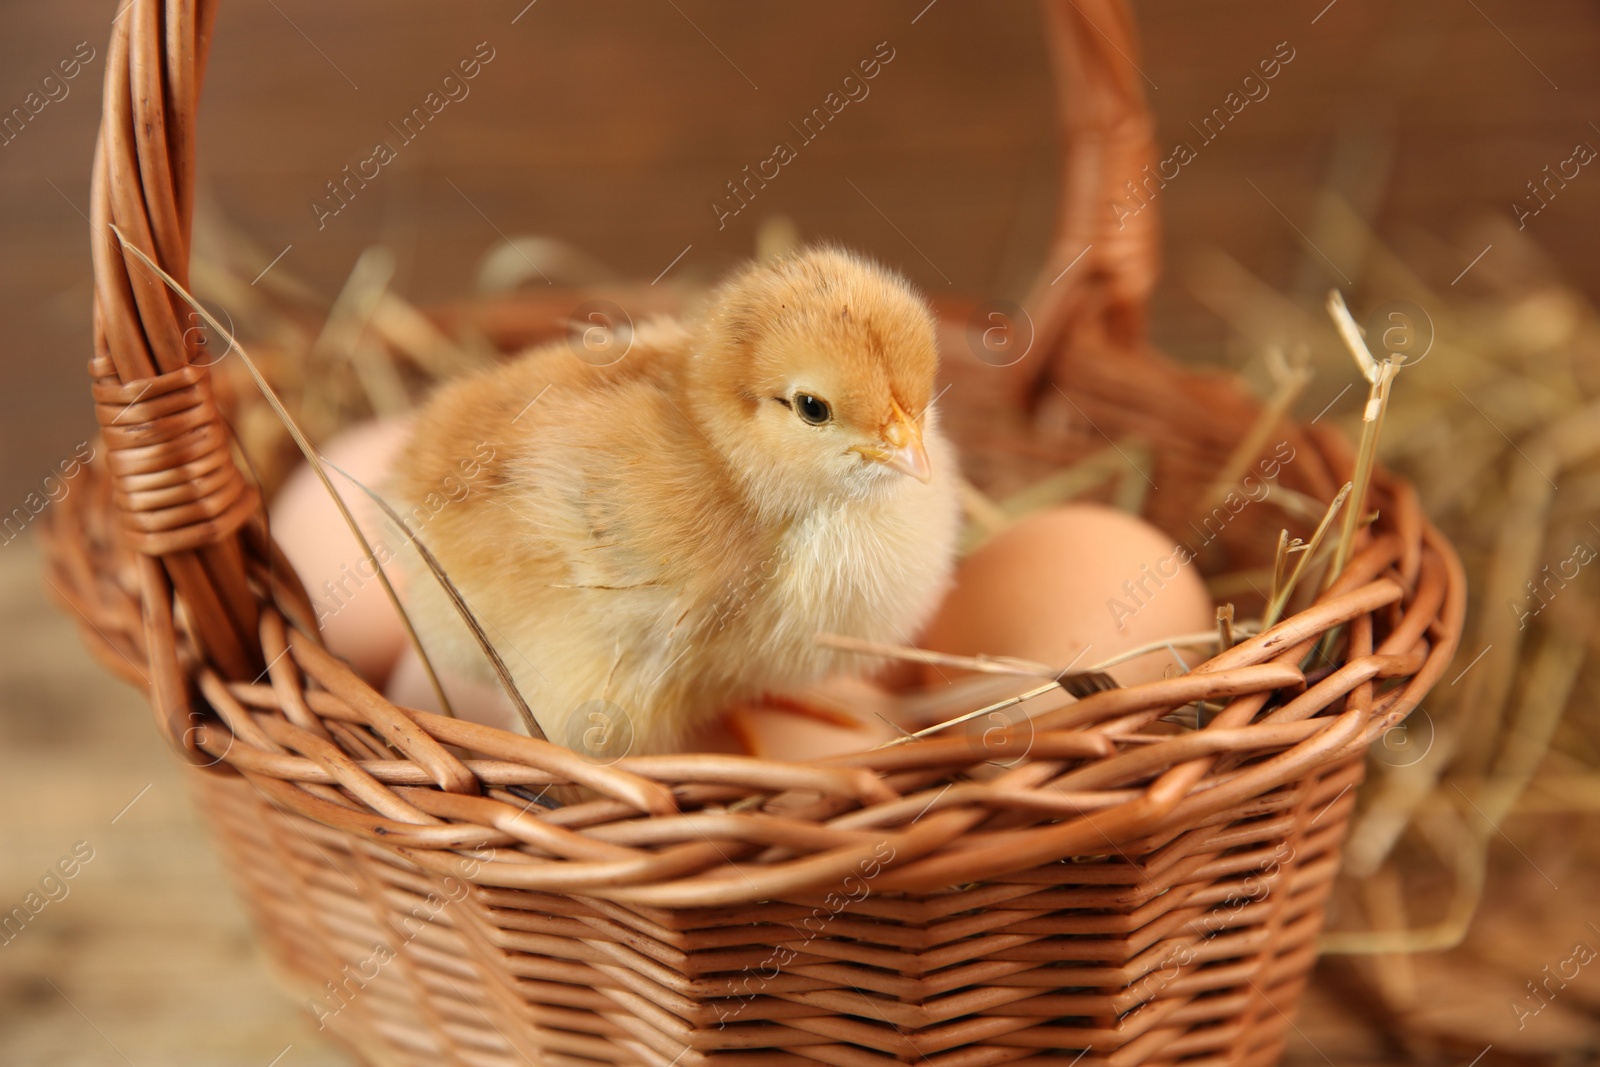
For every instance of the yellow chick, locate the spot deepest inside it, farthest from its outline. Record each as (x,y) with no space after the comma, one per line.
(650,543)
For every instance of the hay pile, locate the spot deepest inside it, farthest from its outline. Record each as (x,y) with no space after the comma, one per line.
(1472,874)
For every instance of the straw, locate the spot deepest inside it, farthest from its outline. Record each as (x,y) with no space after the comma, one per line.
(1283,591)
(1380,377)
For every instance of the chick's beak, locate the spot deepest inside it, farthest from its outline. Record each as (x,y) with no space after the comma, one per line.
(902,447)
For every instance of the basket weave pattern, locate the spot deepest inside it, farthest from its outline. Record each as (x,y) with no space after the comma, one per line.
(1111,893)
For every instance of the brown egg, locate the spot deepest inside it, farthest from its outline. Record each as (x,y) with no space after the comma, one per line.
(1075,584)
(358,622)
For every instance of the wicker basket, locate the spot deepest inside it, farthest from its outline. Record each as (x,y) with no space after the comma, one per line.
(1117,896)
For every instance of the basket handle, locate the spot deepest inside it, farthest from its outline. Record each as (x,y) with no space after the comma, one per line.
(1091,292)
(179,495)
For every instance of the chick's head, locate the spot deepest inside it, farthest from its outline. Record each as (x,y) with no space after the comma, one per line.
(813,376)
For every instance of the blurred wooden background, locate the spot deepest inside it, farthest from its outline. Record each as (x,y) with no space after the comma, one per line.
(615,127)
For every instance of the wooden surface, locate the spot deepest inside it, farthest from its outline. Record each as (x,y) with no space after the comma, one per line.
(616,128)
(146,959)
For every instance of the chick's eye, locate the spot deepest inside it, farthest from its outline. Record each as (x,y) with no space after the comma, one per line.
(812,409)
